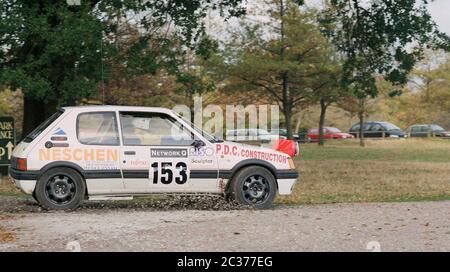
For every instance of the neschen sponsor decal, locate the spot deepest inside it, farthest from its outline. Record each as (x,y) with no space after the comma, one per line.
(78,154)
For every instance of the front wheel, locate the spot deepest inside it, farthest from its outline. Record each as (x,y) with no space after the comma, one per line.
(254,186)
(60,189)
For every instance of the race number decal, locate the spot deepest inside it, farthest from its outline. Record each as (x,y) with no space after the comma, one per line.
(166,172)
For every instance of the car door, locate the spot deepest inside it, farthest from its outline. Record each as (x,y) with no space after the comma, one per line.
(159,156)
(367,130)
(377,131)
(426,131)
(327,134)
(97,151)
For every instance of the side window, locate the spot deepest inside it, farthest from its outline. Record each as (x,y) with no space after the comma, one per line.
(97,128)
(376,127)
(145,128)
(416,129)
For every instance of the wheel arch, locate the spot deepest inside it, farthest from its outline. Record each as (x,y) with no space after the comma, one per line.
(251,162)
(64,164)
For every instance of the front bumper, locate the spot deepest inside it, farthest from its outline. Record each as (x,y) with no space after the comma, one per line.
(286,180)
(24,180)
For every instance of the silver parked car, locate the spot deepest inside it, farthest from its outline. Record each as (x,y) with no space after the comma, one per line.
(251,134)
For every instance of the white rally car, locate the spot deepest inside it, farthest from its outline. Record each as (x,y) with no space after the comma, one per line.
(107,152)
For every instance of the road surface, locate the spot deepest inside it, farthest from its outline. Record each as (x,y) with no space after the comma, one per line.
(421,226)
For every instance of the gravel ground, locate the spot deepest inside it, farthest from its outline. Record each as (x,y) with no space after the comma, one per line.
(209,224)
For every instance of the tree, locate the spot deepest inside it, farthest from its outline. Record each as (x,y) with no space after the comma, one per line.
(283,58)
(194,77)
(426,98)
(379,38)
(58,53)
(327,95)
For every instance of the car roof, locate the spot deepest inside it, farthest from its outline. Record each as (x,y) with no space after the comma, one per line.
(115,107)
(373,122)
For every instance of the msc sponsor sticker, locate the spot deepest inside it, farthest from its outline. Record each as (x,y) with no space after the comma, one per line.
(169,152)
(202,151)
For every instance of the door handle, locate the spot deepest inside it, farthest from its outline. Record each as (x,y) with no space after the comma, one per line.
(130,152)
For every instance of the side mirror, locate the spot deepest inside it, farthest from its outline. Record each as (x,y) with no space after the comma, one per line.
(197,144)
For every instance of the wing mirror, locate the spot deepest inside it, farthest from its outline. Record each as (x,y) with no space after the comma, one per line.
(197,144)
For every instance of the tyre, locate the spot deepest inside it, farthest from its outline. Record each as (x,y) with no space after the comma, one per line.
(60,189)
(254,186)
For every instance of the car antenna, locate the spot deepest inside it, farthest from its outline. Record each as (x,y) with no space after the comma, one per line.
(102,74)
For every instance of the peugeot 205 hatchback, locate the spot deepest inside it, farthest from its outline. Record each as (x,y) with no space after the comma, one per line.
(107,152)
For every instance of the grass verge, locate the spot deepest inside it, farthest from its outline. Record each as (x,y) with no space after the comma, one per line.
(409,170)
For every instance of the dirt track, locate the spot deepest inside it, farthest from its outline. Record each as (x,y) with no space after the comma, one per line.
(423,226)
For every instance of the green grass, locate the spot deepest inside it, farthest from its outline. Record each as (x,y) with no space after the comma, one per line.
(412,151)
(385,170)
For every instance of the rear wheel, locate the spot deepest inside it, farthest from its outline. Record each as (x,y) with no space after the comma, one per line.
(60,189)
(254,186)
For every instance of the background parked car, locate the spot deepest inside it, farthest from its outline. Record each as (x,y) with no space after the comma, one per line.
(328,133)
(374,129)
(252,134)
(427,130)
(283,133)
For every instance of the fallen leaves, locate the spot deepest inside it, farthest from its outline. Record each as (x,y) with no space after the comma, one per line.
(6,236)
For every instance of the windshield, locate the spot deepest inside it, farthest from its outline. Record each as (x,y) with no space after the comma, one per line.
(37,131)
(437,128)
(389,126)
(334,130)
(262,132)
(208,136)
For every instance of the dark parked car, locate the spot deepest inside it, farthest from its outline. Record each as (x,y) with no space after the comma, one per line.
(427,130)
(378,130)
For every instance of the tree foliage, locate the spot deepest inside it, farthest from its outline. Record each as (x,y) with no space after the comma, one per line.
(57,53)
(379,38)
(289,64)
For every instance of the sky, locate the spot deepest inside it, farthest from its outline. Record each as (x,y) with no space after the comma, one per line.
(440,11)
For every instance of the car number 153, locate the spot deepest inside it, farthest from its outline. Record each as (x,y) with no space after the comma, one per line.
(167,172)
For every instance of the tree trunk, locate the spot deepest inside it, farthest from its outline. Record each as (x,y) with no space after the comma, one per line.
(287,111)
(287,106)
(323,110)
(361,122)
(33,114)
